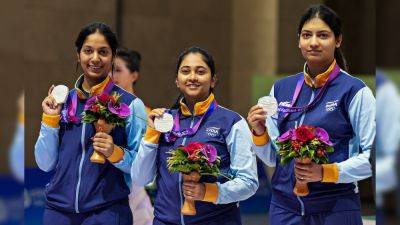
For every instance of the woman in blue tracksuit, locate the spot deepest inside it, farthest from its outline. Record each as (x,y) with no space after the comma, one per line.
(83,192)
(216,198)
(345,109)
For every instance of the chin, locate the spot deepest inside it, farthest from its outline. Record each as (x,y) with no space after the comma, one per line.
(315,60)
(96,75)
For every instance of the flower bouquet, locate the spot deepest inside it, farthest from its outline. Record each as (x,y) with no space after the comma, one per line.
(106,112)
(306,144)
(193,161)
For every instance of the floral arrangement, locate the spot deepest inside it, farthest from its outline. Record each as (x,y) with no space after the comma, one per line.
(304,142)
(194,157)
(107,107)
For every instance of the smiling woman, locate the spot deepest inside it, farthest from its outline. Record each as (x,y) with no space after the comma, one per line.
(81,191)
(200,119)
(323,95)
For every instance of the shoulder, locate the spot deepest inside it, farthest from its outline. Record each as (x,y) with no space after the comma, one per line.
(227,116)
(290,80)
(126,97)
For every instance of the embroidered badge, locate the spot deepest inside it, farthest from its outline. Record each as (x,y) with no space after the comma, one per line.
(212,131)
(332,105)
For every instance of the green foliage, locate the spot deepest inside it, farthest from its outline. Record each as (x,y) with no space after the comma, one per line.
(179,161)
(306,150)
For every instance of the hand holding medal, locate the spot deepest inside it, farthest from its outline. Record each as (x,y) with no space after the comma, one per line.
(160,121)
(60,93)
(56,97)
(269,105)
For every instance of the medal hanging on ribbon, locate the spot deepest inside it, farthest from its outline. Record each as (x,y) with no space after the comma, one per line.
(300,82)
(177,133)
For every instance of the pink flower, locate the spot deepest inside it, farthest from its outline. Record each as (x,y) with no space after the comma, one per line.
(323,136)
(122,109)
(210,153)
(286,136)
(90,102)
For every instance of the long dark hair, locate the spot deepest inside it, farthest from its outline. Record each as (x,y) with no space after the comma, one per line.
(332,20)
(207,58)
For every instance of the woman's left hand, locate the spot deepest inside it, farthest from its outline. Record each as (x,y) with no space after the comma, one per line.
(103,143)
(308,172)
(194,190)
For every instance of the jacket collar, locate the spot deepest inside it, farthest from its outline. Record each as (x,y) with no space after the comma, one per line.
(95,90)
(320,79)
(199,108)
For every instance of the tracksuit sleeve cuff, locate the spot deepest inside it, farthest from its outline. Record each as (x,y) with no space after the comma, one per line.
(117,154)
(330,173)
(260,140)
(51,120)
(211,194)
(152,135)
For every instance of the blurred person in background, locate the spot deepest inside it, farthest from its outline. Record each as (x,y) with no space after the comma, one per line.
(16,156)
(126,74)
(387,139)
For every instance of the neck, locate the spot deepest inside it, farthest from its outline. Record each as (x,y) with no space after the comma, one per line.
(191,102)
(88,83)
(317,68)
(130,90)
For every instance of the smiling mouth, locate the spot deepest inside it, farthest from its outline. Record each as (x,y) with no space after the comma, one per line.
(192,86)
(94,68)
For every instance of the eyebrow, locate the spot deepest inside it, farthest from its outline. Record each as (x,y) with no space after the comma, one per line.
(102,47)
(196,67)
(320,31)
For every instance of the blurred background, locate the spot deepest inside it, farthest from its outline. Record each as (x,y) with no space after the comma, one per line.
(253,42)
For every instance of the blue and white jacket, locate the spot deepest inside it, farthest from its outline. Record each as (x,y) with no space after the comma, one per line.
(79,185)
(228,132)
(347,112)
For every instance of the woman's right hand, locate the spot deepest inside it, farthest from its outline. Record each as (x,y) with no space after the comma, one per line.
(256,119)
(153,114)
(49,104)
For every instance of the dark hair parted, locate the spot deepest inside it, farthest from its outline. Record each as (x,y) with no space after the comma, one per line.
(131,58)
(207,58)
(330,17)
(92,28)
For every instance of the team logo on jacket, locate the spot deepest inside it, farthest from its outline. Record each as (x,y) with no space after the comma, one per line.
(212,131)
(286,104)
(332,105)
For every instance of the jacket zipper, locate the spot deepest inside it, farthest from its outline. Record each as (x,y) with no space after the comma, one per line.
(80,168)
(180,177)
(301,123)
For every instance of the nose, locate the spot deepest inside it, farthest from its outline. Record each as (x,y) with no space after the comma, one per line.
(95,57)
(314,42)
(192,76)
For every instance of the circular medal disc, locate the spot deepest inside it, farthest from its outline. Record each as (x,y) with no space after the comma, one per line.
(269,104)
(60,93)
(164,123)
